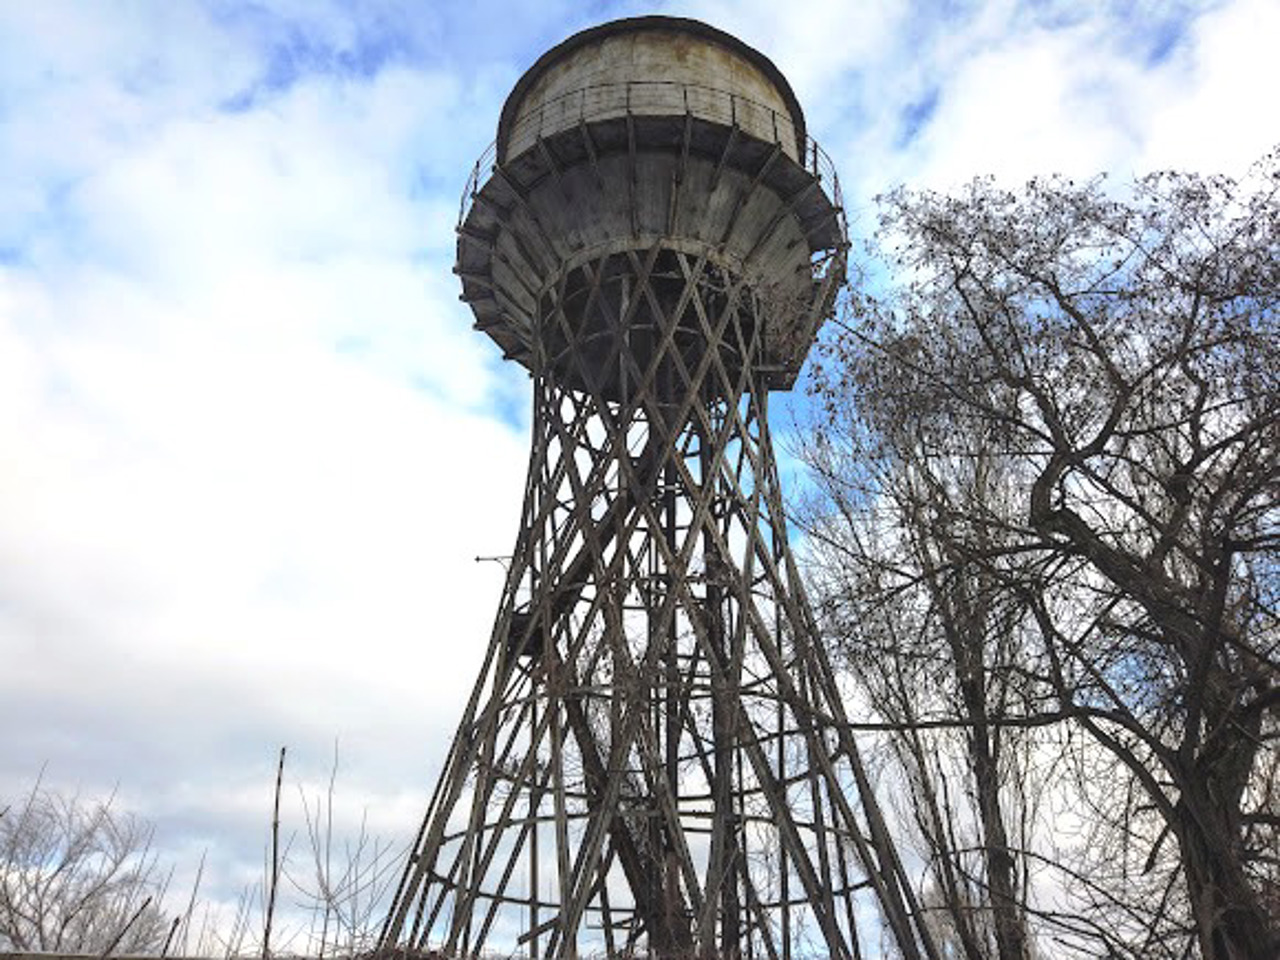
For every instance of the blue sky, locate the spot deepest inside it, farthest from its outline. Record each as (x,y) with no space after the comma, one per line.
(249,445)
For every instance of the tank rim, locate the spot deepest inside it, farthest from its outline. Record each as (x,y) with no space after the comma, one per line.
(635,24)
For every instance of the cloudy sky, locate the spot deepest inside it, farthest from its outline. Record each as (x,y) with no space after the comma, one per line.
(250,447)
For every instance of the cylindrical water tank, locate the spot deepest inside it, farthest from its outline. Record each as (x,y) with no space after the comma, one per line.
(651,66)
(653,134)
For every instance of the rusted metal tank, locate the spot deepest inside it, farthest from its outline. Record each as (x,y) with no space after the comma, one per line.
(643,134)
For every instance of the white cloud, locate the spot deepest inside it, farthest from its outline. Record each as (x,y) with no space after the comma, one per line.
(1217,113)
(1018,89)
(1080,99)
(248,449)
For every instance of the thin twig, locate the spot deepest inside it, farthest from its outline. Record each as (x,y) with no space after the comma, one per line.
(125,929)
(275,863)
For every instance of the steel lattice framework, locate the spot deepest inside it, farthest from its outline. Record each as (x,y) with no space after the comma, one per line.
(655,758)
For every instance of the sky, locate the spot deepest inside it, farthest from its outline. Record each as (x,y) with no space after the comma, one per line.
(250,447)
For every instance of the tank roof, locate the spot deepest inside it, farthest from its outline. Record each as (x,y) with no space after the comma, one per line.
(651,23)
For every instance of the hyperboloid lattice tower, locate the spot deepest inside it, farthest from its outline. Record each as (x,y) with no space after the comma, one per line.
(654,759)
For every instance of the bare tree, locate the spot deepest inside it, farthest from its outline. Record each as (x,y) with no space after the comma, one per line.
(339,885)
(934,644)
(77,876)
(1118,357)
(346,885)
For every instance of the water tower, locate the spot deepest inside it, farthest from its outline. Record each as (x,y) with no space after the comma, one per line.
(655,759)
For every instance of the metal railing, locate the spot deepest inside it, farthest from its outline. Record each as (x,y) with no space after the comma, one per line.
(662,98)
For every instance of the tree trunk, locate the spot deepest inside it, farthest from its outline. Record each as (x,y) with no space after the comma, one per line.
(1231,922)
(967,622)
(1011,941)
(1229,919)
